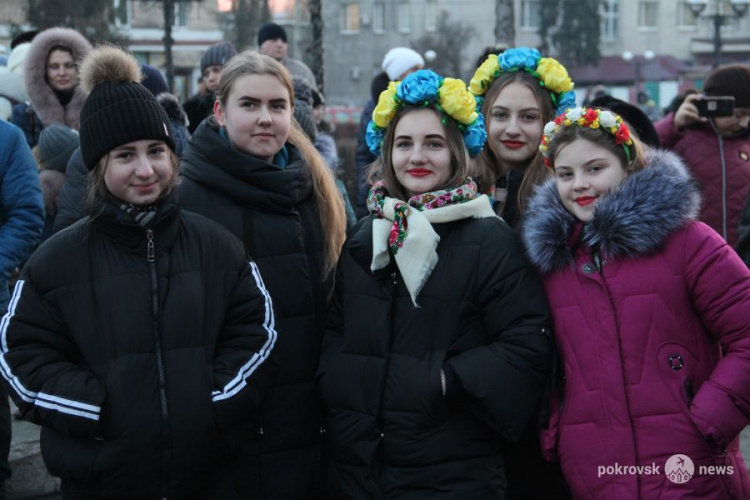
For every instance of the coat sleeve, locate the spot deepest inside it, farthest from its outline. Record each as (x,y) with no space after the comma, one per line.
(668,135)
(505,379)
(719,284)
(244,363)
(41,366)
(21,204)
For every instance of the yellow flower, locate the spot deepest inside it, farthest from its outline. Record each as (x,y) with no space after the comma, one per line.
(386,108)
(554,75)
(484,75)
(594,124)
(457,101)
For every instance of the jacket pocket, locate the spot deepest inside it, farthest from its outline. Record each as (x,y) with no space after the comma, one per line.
(70,458)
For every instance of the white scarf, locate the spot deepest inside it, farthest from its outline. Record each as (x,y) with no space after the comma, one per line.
(417,257)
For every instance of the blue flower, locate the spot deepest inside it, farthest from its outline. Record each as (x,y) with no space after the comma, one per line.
(374,138)
(475,136)
(519,58)
(419,87)
(567,101)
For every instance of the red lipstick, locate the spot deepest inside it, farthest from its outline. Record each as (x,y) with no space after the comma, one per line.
(585,200)
(419,172)
(513,144)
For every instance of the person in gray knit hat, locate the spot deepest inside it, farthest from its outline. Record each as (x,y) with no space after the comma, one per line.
(143,334)
(56,145)
(201,105)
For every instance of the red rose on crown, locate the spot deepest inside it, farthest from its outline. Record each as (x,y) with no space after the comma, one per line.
(622,135)
(590,115)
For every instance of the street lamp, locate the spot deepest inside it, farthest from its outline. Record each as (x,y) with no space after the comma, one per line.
(717,15)
(629,57)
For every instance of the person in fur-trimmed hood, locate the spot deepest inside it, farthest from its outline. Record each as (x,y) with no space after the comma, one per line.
(51,78)
(645,299)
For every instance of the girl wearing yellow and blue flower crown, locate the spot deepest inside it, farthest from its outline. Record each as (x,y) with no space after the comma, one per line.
(518,91)
(438,341)
(652,319)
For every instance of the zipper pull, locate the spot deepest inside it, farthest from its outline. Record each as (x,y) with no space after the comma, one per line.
(150,247)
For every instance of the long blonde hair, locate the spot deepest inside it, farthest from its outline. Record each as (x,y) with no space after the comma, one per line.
(328,199)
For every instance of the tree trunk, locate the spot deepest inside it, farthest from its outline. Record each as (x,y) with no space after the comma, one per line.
(505,22)
(316,19)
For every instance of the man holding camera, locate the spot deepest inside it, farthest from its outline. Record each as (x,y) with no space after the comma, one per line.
(710,132)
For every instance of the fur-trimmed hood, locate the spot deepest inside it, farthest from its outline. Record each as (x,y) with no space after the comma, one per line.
(42,97)
(632,220)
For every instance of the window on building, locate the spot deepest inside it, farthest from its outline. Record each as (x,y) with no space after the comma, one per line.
(350,18)
(378,17)
(610,20)
(121,11)
(685,16)
(530,13)
(648,14)
(404,17)
(431,15)
(181,13)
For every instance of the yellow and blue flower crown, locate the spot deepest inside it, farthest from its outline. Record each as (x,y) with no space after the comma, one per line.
(551,75)
(421,88)
(594,118)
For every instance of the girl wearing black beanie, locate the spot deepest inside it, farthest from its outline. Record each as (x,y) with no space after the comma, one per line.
(140,338)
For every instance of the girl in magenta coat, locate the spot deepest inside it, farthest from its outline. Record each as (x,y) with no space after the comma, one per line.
(652,320)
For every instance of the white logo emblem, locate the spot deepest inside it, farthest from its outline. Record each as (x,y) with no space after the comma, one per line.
(679,468)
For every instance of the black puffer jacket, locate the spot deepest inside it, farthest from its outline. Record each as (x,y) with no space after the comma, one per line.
(272,211)
(139,370)
(482,318)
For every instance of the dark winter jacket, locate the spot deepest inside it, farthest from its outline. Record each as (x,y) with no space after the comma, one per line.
(21,205)
(142,356)
(272,210)
(71,203)
(46,108)
(652,322)
(700,147)
(198,108)
(482,318)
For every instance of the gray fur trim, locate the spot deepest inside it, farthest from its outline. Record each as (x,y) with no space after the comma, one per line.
(633,220)
(42,96)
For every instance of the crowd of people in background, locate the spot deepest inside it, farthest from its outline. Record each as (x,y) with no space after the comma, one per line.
(519,289)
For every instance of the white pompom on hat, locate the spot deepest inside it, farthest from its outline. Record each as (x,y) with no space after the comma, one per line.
(400,60)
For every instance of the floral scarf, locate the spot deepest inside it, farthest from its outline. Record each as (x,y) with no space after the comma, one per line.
(404,229)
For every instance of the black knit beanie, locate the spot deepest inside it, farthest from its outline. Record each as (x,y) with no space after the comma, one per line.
(731,80)
(217,55)
(270,31)
(118,109)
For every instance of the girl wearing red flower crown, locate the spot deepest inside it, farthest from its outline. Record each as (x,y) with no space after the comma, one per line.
(652,319)
(437,345)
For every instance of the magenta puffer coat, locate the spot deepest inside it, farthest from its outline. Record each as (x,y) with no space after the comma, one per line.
(652,322)
(699,148)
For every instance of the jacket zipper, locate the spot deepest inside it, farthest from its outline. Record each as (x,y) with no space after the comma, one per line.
(151,257)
